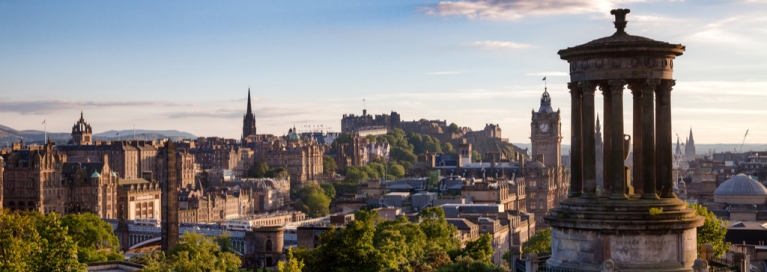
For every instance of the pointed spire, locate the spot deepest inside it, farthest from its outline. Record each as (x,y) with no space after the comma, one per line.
(598,126)
(249,108)
(690,139)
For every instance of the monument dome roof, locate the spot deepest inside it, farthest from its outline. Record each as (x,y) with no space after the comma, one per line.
(621,42)
(741,185)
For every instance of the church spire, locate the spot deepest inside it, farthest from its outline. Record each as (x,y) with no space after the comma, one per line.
(249,108)
(599,128)
(690,139)
(249,121)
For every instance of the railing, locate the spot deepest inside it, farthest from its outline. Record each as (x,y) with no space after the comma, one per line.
(722,265)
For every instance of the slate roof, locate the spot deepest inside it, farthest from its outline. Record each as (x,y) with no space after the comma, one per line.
(461,223)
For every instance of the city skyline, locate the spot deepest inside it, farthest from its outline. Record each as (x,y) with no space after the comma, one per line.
(187,66)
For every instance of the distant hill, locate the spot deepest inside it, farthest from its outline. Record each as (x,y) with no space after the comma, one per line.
(140,134)
(9,135)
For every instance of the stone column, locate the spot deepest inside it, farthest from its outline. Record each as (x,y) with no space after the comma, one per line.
(638,168)
(607,134)
(648,141)
(663,147)
(589,146)
(576,139)
(617,154)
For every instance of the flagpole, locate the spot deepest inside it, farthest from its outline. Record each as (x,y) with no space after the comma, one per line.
(45,131)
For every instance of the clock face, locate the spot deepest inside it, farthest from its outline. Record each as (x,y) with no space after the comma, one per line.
(544,127)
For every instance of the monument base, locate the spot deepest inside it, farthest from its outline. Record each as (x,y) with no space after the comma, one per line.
(625,235)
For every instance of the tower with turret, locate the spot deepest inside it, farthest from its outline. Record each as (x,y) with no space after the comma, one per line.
(82,134)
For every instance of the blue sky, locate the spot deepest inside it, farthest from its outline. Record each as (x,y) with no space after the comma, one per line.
(187,65)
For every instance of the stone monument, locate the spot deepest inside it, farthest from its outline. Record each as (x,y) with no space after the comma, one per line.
(648,229)
(169,197)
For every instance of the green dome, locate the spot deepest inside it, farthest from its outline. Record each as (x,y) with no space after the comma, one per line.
(95,175)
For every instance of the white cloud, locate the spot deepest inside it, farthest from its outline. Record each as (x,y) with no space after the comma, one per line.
(515,9)
(500,45)
(55,106)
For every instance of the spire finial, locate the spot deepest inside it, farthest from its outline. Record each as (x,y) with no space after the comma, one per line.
(620,19)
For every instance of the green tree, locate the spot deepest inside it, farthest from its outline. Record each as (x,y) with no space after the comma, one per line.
(467,264)
(57,250)
(396,170)
(328,165)
(348,249)
(278,173)
(292,265)
(540,243)
(440,235)
(95,238)
(224,242)
(713,231)
(355,174)
(453,128)
(480,250)
(19,242)
(258,170)
(400,154)
(448,148)
(31,241)
(194,252)
(475,156)
(313,200)
(328,189)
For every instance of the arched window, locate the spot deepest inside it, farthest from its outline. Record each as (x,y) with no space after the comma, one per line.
(269,245)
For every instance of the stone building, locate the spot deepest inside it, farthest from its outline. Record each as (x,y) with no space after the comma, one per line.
(123,158)
(214,153)
(266,246)
(353,153)
(263,194)
(185,168)
(467,231)
(546,177)
(508,228)
(92,187)
(351,123)
(511,195)
(139,198)
(32,179)
(82,134)
(302,157)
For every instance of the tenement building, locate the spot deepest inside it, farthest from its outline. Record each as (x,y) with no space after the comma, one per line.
(32,179)
(302,157)
(643,227)
(92,187)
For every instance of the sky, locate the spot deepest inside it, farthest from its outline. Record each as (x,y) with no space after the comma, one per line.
(188,65)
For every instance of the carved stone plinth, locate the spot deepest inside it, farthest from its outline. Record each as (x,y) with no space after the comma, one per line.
(588,232)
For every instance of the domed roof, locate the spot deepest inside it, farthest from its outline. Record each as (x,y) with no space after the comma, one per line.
(741,185)
(621,42)
(95,175)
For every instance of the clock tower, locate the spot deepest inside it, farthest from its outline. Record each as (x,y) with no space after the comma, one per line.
(546,133)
